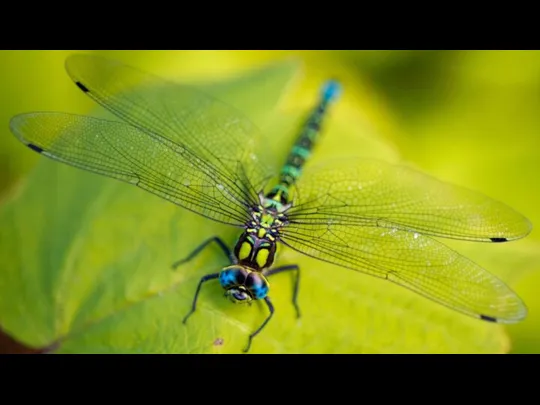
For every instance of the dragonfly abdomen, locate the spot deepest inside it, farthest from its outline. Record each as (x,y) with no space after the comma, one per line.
(300,152)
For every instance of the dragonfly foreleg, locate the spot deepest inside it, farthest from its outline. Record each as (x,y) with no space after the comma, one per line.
(194,304)
(197,250)
(291,267)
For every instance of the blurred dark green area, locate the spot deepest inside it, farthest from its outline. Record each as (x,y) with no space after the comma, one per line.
(468,117)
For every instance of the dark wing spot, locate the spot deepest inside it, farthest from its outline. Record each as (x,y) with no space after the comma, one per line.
(82,87)
(498,239)
(35,148)
(488,318)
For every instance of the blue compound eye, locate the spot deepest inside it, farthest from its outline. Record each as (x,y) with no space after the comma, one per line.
(232,276)
(257,285)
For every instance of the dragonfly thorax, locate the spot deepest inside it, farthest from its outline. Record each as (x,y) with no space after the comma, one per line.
(256,247)
(254,252)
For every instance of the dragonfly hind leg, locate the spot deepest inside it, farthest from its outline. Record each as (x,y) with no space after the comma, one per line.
(291,267)
(198,250)
(212,276)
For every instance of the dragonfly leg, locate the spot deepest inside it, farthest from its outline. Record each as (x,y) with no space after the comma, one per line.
(198,250)
(271,308)
(291,267)
(194,304)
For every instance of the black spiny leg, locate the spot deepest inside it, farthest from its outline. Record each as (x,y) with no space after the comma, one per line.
(291,267)
(271,308)
(198,250)
(194,304)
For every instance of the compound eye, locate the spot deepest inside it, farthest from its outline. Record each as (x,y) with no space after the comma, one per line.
(257,285)
(232,276)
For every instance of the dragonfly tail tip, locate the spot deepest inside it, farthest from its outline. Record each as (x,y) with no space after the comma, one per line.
(331,90)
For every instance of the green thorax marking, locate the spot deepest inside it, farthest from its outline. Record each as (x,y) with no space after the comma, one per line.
(267,220)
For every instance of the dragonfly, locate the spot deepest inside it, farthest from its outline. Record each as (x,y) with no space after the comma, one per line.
(205,156)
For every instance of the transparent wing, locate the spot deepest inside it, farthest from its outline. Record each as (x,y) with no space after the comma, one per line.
(222,139)
(413,261)
(368,193)
(121,151)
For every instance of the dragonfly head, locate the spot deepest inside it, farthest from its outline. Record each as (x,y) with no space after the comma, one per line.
(243,285)
(239,295)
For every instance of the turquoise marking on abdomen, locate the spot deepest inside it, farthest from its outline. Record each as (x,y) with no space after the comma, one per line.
(305,142)
(300,151)
(289,170)
(331,90)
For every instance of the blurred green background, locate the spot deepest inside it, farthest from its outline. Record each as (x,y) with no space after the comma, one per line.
(468,117)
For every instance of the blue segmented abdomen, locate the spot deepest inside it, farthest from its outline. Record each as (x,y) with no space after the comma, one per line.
(300,152)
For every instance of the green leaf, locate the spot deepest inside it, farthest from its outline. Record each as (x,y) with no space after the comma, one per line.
(87,269)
